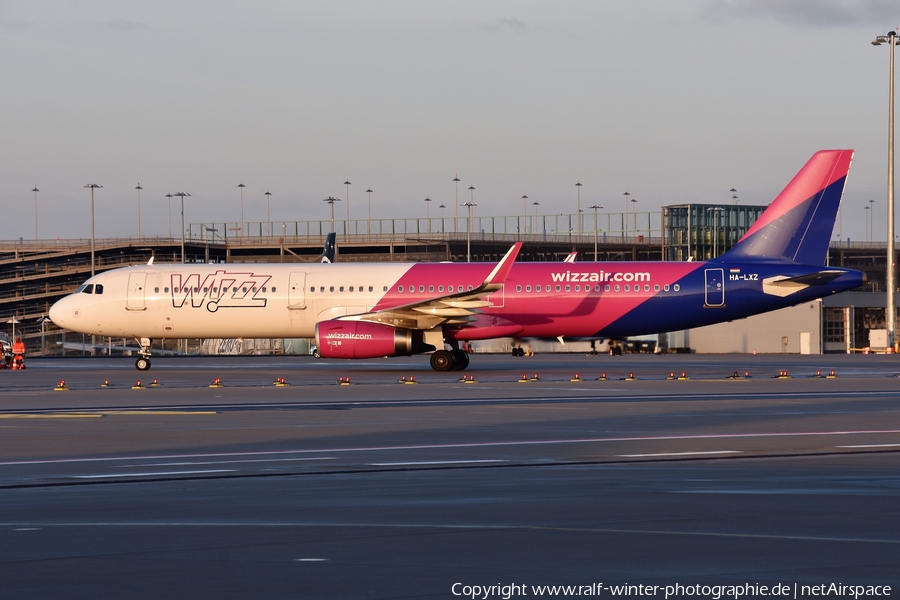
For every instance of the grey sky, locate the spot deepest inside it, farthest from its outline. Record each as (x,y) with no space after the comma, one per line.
(673,101)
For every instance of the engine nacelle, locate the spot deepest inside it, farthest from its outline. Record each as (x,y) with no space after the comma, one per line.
(361,339)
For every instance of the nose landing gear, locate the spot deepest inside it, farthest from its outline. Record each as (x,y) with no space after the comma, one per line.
(143,363)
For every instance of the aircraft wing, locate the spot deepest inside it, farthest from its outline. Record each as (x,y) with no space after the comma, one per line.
(455,309)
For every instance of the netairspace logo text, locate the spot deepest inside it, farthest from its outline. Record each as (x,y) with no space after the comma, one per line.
(714,592)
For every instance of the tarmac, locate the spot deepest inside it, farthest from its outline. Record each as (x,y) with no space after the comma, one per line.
(670,470)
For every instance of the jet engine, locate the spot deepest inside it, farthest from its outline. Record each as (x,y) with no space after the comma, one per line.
(362,339)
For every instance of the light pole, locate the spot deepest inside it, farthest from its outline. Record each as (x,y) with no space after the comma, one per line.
(43,321)
(369,219)
(347,226)
(596,207)
(715,210)
(524,214)
(268,196)
(182,196)
(456,202)
(891,315)
(92,186)
(867,222)
(871,225)
(139,188)
(633,201)
(578,187)
(35,190)
(241,187)
(331,200)
(734,198)
(169,201)
(428,213)
(535,204)
(469,205)
(625,216)
(442,207)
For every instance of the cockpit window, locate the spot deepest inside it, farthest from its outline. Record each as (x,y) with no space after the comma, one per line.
(87,288)
(98,289)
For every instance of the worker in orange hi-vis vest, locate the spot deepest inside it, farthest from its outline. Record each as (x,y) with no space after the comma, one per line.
(18,351)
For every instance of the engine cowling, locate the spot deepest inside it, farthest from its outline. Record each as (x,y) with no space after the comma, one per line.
(362,339)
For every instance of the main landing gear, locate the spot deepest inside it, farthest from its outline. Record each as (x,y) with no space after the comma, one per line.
(143,363)
(450,360)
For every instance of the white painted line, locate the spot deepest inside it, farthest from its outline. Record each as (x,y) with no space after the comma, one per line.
(228,462)
(153,473)
(680,454)
(433,462)
(310,560)
(871,446)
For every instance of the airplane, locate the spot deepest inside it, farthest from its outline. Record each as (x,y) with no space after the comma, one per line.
(371,310)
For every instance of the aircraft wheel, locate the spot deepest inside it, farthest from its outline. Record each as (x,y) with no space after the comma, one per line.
(460,360)
(316,353)
(142,364)
(442,360)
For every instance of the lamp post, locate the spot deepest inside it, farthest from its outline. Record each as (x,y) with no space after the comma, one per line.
(169,201)
(182,195)
(428,213)
(715,210)
(578,188)
(456,203)
(268,196)
(734,198)
(347,226)
(139,188)
(442,207)
(535,204)
(35,190)
(871,224)
(867,222)
(331,200)
(891,314)
(469,205)
(241,187)
(633,201)
(625,216)
(92,186)
(596,207)
(43,321)
(369,218)
(524,214)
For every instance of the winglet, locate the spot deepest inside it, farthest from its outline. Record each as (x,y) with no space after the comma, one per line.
(501,271)
(150,262)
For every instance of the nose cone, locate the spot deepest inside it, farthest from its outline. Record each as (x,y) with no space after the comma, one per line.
(60,315)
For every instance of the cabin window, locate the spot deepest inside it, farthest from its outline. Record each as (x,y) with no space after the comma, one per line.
(617,287)
(253,290)
(527,288)
(422,288)
(470,288)
(656,288)
(399,288)
(331,289)
(156,290)
(460,288)
(666,288)
(206,289)
(321,289)
(431,289)
(676,287)
(646,287)
(441,288)
(558,288)
(606,288)
(312,290)
(165,290)
(215,289)
(568,288)
(243,289)
(627,288)
(385,289)
(264,290)
(341,289)
(351,288)
(372,289)
(518,288)
(577,288)
(597,288)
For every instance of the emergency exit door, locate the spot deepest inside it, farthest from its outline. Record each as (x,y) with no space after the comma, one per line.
(715,287)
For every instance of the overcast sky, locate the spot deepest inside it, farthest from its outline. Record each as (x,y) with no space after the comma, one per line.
(673,101)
